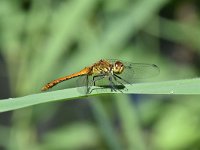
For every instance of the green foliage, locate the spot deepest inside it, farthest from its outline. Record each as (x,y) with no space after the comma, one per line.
(44,40)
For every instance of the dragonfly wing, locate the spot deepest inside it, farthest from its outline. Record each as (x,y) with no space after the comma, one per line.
(137,71)
(140,70)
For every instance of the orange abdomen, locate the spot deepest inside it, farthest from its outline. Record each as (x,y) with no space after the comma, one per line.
(49,85)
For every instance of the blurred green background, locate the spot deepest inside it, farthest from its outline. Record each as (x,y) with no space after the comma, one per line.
(41,40)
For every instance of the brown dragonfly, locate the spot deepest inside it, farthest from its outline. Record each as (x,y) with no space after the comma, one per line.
(109,73)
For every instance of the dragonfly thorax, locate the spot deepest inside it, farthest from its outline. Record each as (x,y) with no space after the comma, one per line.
(118,67)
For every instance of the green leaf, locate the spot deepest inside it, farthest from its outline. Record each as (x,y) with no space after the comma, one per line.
(187,86)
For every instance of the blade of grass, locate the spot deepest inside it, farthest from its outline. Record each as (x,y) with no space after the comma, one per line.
(187,86)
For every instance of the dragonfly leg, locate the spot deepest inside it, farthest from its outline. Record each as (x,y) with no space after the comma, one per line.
(122,79)
(95,78)
(112,84)
(87,85)
(120,84)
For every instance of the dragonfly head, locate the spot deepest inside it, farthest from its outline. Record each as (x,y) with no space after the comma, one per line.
(118,67)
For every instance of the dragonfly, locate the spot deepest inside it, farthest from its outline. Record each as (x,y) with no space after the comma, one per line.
(111,73)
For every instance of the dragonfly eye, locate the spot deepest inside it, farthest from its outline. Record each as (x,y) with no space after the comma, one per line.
(118,67)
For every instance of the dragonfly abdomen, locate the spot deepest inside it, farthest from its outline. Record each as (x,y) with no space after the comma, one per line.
(55,82)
